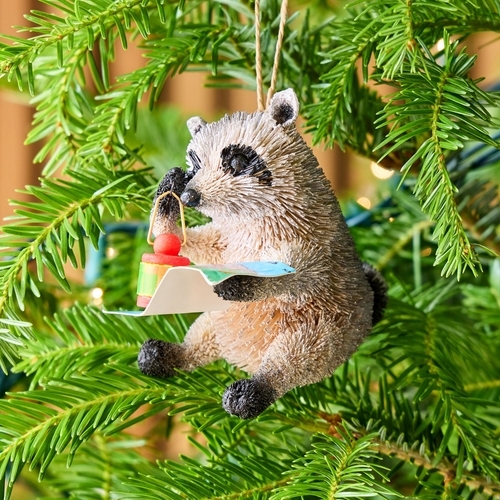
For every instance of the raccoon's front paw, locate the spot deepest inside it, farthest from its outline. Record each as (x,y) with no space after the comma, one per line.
(248,398)
(175,180)
(159,359)
(240,288)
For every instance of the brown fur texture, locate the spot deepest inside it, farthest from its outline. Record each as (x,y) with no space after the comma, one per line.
(269,201)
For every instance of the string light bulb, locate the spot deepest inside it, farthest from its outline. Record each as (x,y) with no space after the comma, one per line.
(380,172)
(364,202)
(97,294)
(111,252)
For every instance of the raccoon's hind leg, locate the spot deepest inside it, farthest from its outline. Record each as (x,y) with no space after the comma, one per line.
(295,358)
(158,358)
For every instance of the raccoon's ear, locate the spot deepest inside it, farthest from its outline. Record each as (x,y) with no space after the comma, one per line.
(284,107)
(195,124)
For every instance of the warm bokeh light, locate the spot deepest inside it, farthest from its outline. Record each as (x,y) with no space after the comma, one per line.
(380,172)
(97,293)
(364,202)
(110,252)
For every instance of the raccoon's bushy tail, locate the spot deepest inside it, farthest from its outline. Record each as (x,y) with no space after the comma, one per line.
(379,287)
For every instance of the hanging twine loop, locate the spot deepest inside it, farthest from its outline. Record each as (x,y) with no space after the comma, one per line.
(277,54)
(260,98)
(258,59)
(155,211)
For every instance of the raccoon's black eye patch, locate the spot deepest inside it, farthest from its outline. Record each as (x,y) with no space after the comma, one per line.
(238,159)
(195,161)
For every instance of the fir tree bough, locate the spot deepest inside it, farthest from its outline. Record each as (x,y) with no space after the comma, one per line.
(414,414)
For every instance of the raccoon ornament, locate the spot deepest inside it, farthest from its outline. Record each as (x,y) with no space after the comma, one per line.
(268,199)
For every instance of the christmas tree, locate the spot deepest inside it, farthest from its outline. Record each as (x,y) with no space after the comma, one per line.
(414,413)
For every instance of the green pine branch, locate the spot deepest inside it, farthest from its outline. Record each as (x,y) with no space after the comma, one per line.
(99,340)
(337,467)
(101,396)
(435,111)
(240,477)
(93,18)
(98,471)
(418,404)
(442,348)
(443,101)
(52,231)
(118,114)
(478,202)
(447,470)
(416,454)
(98,393)
(61,109)
(415,392)
(38,425)
(397,28)
(38,432)
(340,91)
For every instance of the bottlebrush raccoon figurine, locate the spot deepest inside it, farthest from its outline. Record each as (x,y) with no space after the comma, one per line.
(269,201)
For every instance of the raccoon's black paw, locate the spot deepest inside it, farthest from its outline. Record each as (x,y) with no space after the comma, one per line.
(159,359)
(240,288)
(174,180)
(248,398)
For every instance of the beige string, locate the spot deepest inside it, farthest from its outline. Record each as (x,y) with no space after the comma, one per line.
(155,211)
(258,59)
(277,53)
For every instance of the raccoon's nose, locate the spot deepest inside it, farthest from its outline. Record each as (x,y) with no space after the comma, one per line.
(190,198)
